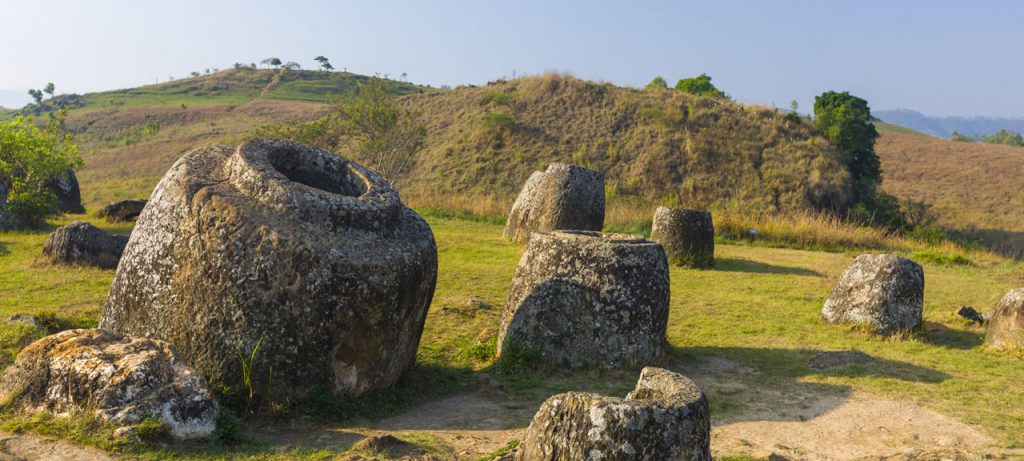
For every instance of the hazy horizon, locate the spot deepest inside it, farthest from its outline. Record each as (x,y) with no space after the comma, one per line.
(937,58)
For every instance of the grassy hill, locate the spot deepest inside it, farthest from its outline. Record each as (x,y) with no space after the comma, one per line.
(976,188)
(130,137)
(654,144)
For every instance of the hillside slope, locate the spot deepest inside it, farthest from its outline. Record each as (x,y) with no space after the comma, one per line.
(977,188)
(656,144)
(130,137)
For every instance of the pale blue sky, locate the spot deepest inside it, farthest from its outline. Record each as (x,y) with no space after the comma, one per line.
(938,57)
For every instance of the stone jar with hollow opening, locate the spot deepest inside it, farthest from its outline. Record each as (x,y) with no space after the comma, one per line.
(295,265)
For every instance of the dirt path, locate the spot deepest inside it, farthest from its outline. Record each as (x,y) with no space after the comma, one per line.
(472,424)
(31,447)
(863,426)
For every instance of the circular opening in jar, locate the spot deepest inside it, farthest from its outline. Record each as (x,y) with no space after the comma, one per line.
(330,174)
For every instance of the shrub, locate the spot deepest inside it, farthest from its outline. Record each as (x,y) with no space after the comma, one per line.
(700,86)
(28,157)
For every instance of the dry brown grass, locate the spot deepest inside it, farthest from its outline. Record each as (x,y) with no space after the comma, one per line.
(793,229)
(653,144)
(976,188)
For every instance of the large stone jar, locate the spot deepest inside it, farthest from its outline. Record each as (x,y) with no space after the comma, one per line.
(1006,327)
(561,197)
(588,299)
(666,417)
(881,292)
(289,257)
(687,235)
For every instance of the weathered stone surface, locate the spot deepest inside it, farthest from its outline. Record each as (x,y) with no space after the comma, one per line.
(688,236)
(84,244)
(882,292)
(121,379)
(123,211)
(561,197)
(278,241)
(1006,326)
(584,298)
(665,418)
(65,187)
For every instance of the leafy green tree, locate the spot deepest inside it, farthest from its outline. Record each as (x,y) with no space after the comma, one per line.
(699,85)
(30,155)
(383,135)
(36,95)
(658,82)
(325,65)
(845,121)
(292,65)
(49,88)
(271,62)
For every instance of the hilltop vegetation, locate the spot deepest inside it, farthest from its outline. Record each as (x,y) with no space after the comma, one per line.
(654,144)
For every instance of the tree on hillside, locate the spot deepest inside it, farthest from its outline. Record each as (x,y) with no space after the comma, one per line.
(845,121)
(794,105)
(379,132)
(325,65)
(292,65)
(271,62)
(49,88)
(699,85)
(658,82)
(28,157)
(36,95)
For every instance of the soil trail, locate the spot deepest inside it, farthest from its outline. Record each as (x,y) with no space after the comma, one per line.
(31,447)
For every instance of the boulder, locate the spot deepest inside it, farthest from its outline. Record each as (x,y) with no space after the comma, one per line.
(882,292)
(588,299)
(81,243)
(290,254)
(65,187)
(688,236)
(666,418)
(123,211)
(561,197)
(121,379)
(1006,326)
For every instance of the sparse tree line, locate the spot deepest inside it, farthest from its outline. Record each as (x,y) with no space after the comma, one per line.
(1003,136)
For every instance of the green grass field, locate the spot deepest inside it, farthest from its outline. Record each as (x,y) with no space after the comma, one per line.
(759,309)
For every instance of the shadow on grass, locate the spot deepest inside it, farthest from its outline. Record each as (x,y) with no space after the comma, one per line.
(941,335)
(4,251)
(755,267)
(754,384)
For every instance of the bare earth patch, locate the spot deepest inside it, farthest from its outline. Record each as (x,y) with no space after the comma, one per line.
(472,424)
(861,426)
(17,447)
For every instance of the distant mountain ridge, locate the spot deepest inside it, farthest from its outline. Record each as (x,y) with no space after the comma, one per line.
(945,126)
